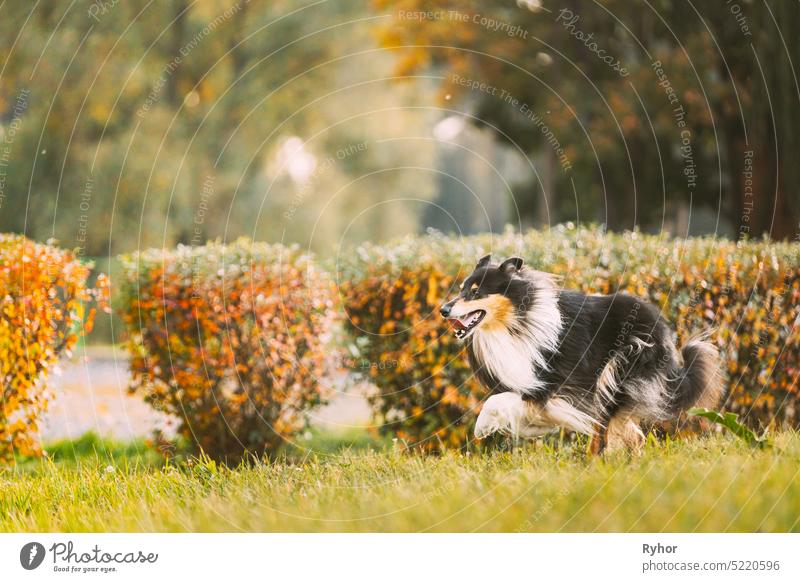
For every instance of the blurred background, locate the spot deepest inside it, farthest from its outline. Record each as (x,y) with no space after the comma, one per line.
(136,124)
(128,125)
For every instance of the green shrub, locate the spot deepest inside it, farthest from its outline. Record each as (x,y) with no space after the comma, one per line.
(749,292)
(229,339)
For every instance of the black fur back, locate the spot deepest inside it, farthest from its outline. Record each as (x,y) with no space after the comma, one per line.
(615,354)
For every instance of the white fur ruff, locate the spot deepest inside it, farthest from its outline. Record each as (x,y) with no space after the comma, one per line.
(513,357)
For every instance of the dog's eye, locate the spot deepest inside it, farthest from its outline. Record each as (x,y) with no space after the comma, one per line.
(473,293)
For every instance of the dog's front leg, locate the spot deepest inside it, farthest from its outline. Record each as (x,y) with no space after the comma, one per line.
(510,414)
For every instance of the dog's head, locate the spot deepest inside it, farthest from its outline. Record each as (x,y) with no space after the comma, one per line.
(489,298)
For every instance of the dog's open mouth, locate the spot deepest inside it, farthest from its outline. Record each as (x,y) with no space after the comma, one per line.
(464,324)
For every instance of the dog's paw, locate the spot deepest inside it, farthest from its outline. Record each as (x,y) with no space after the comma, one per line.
(504,413)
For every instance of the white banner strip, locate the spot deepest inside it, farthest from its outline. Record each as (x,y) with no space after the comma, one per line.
(400,557)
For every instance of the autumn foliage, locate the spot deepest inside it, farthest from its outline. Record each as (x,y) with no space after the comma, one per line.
(229,339)
(749,292)
(46,306)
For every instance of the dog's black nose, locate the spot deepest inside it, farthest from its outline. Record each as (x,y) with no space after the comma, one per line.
(445,310)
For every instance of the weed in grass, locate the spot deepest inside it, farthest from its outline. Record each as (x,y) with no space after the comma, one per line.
(730,421)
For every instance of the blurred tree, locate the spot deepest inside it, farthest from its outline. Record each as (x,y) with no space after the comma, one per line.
(151,123)
(124,125)
(648,109)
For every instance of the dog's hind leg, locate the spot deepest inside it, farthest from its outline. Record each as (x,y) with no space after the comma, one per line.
(624,433)
(599,440)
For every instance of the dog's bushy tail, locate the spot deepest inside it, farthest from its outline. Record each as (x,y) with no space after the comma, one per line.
(700,382)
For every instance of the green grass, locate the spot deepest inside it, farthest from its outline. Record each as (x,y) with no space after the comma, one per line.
(90,446)
(713,483)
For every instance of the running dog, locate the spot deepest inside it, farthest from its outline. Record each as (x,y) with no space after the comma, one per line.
(594,364)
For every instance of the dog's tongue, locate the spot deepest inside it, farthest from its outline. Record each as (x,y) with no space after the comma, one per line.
(455,323)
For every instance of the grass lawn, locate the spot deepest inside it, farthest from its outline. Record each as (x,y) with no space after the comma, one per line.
(713,483)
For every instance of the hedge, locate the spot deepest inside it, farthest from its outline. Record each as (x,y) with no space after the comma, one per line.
(44,301)
(748,291)
(232,340)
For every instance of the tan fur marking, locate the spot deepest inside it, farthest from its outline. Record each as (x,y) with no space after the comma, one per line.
(598,442)
(499,311)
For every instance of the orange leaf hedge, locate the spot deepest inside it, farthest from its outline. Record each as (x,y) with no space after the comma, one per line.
(229,339)
(425,391)
(44,299)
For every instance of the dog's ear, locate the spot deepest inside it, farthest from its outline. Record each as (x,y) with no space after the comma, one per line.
(511,266)
(484,261)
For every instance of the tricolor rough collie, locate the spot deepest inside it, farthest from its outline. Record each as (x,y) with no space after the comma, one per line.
(598,365)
